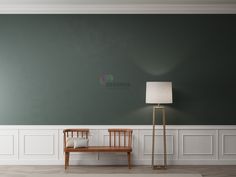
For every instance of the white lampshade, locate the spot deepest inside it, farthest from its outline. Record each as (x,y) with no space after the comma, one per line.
(159,92)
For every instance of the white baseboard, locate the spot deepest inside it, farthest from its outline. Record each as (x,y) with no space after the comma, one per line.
(186,145)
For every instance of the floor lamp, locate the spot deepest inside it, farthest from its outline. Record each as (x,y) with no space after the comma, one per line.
(159,93)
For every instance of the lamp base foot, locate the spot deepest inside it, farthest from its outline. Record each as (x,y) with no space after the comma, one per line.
(159,167)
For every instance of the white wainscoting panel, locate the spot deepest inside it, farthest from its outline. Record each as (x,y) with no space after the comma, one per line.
(9,144)
(38,144)
(145,145)
(198,144)
(227,140)
(191,145)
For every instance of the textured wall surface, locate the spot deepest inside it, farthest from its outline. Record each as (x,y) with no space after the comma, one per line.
(92,69)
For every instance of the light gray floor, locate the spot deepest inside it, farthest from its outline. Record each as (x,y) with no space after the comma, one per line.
(206,171)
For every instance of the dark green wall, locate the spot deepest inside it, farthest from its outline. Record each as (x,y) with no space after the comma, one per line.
(92,69)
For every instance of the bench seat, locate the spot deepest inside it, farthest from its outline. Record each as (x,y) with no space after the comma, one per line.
(120,140)
(100,149)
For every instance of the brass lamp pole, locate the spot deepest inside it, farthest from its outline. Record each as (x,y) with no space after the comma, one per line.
(161,108)
(156,93)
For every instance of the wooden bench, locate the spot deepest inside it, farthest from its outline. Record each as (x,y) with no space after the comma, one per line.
(120,140)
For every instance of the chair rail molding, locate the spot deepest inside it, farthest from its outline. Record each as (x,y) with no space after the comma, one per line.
(186,144)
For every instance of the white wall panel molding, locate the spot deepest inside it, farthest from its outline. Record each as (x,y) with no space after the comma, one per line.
(227,139)
(105,127)
(228,146)
(134,8)
(198,144)
(6,142)
(145,145)
(186,145)
(9,144)
(192,147)
(158,144)
(38,144)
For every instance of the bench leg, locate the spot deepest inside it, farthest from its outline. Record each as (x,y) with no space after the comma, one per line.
(67,157)
(129,159)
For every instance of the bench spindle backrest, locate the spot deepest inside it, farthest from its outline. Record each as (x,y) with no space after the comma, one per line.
(120,137)
(75,133)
